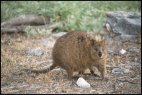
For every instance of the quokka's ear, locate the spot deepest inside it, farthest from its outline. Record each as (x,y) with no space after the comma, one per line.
(104,42)
(81,38)
(92,42)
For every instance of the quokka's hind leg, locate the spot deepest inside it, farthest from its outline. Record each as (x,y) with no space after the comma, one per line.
(91,70)
(93,73)
(81,72)
(70,73)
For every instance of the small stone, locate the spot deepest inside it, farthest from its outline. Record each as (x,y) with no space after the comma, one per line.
(110,51)
(92,91)
(82,83)
(108,27)
(57,35)
(99,92)
(117,71)
(134,49)
(57,69)
(122,51)
(126,70)
(120,70)
(35,52)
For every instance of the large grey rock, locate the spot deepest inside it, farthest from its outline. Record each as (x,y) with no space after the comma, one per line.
(124,23)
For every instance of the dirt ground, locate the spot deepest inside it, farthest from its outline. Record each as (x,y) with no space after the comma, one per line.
(15,80)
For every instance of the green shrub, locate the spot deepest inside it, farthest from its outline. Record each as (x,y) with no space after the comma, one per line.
(76,15)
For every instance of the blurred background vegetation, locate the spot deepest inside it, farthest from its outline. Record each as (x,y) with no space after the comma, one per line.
(77,15)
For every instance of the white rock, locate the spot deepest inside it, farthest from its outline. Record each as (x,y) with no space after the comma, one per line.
(122,51)
(126,71)
(92,91)
(59,34)
(108,27)
(82,83)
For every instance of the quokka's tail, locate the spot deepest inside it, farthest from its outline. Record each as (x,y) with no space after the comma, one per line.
(40,71)
(45,70)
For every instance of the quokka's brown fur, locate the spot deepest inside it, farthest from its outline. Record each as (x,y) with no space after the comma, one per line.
(76,51)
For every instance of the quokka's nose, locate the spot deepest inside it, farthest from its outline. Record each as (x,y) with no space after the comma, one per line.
(100,54)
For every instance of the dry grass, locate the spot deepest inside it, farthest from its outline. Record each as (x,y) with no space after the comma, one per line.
(14,55)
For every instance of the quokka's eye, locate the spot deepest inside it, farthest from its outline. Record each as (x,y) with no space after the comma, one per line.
(96,49)
(102,49)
